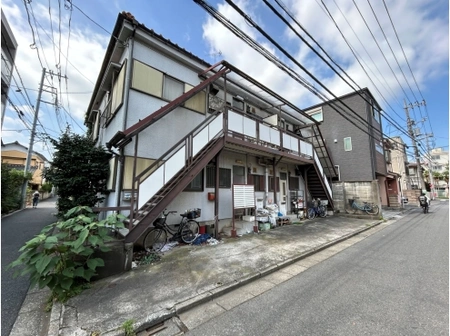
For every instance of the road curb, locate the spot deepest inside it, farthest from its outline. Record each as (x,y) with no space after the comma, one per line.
(177,308)
(219,291)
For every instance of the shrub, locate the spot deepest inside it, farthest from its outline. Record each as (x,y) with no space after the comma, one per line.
(12,182)
(61,256)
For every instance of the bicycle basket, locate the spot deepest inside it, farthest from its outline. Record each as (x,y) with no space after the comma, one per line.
(193,213)
(158,222)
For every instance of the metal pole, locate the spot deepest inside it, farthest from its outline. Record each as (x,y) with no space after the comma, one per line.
(416,151)
(430,166)
(30,147)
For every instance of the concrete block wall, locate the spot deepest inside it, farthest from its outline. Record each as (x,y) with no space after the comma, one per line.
(364,191)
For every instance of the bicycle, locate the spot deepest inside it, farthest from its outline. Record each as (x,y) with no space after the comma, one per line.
(317,209)
(368,208)
(187,230)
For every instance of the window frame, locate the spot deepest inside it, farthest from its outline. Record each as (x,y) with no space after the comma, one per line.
(316,112)
(191,187)
(167,78)
(348,146)
(224,177)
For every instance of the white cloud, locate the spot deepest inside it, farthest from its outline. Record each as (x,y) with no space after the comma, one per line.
(424,38)
(85,54)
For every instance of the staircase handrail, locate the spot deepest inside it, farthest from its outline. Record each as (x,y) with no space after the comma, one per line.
(147,172)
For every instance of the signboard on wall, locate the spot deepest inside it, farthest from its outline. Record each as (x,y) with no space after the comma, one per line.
(243,196)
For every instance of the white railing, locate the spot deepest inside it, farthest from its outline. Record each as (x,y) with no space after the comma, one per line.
(322,175)
(249,127)
(177,160)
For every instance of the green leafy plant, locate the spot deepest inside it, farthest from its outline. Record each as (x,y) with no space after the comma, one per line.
(12,182)
(62,256)
(84,182)
(127,326)
(149,259)
(46,187)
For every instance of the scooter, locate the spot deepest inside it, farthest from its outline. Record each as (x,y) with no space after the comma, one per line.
(424,205)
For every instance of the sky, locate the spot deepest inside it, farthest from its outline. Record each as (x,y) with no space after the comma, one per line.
(399,49)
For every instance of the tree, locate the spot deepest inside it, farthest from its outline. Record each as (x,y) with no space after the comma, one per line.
(79,171)
(12,181)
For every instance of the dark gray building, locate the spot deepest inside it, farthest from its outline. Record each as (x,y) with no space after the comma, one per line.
(352,130)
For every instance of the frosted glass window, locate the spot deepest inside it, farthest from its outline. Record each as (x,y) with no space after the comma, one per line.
(172,88)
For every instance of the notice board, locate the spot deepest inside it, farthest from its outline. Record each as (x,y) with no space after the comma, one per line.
(243,196)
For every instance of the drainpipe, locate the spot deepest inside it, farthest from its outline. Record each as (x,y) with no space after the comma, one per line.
(121,163)
(266,178)
(371,141)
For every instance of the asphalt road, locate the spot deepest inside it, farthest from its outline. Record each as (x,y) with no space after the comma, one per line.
(394,282)
(16,229)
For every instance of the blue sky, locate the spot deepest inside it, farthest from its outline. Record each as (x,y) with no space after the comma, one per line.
(421,26)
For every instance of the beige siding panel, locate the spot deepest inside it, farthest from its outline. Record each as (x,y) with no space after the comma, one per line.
(147,79)
(128,170)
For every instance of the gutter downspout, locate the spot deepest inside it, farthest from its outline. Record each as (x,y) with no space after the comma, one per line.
(266,181)
(120,166)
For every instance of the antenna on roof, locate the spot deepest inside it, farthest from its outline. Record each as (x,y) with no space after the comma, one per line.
(215,55)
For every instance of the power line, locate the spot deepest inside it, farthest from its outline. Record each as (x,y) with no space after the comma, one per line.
(239,33)
(320,56)
(382,53)
(392,51)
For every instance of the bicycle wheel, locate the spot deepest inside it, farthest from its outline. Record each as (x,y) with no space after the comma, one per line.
(155,240)
(189,231)
(372,209)
(311,213)
(322,211)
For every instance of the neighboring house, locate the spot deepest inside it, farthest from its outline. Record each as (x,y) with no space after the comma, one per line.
(351,125)
(439,160)
(392,182)
(15,155)
(399,161)
(413,173)
(9,47)
(439,164)
(184,133)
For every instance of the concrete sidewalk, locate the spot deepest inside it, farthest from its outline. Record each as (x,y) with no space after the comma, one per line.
(184,278)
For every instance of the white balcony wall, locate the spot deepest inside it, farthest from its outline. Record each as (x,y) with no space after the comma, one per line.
(200,140)
(151,185)
(235,122)
(290,142)
(269,134)
(250,127)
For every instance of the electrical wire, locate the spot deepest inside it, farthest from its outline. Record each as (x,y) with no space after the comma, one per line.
(320,56)
(347,109)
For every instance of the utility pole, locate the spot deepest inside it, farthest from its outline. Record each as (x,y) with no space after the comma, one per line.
(33,133)
(430,165)
(409,124)
(30,147)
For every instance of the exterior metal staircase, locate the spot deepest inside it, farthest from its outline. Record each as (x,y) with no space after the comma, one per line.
(315,185)
(322,152)
(146,214)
